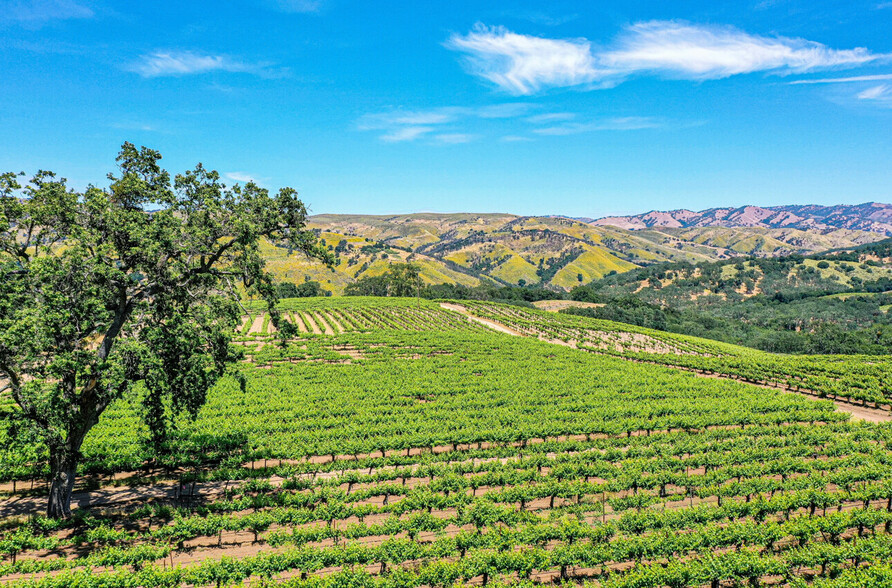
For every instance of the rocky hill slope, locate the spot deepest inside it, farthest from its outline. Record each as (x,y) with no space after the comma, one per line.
(872,217)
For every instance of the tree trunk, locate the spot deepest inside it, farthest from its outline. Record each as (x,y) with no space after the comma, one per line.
(63,468)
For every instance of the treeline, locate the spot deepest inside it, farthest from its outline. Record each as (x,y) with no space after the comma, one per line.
(809,325)
(404,279)
(779,305)
(307,289)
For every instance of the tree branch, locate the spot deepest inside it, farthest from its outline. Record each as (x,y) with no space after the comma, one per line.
(122,313)
(27,408)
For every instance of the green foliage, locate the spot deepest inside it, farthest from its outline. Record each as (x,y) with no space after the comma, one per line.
(795,304)
(861,378)
(307,289)
(402,279)
(97,292)
(454,455)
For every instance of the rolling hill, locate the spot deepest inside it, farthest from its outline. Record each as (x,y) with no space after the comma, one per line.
(837,302)
(554,252)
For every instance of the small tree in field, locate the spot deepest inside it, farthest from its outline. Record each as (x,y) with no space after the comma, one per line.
(98,291)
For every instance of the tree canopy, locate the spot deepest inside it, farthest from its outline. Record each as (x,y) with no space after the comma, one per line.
(139,281)
(401,279)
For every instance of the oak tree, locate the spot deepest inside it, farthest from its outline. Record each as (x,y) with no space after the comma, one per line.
(139,281)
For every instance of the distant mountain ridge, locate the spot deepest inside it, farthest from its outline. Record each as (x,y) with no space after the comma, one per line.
(872,217)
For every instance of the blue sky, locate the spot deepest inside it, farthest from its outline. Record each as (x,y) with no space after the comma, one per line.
(576,108)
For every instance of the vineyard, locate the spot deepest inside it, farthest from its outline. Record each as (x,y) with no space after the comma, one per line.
(394,443)
(856,378)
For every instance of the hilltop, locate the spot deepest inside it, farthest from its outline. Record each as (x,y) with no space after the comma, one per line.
(555,252)
(871,216)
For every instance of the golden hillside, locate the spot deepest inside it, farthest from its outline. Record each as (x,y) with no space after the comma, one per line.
(556,252)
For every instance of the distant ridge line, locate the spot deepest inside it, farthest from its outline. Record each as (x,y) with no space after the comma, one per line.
(874,217)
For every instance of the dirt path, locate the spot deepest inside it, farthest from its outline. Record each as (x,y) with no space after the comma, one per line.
(311,323)
(556,305)
(858,412)
(338,327)
(322,321)
(298,322)
(257,325)
(491,324)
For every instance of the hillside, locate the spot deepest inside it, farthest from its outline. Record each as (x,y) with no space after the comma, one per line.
(503,249)
(872,217)
(830,303)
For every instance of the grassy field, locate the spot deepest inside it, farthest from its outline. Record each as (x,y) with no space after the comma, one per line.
(398,444)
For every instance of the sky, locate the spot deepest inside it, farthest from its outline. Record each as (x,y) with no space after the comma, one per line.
(574,108)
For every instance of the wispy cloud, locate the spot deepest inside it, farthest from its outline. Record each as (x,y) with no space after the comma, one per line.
(36,13)
(851,79)
(402,125)
(400,134)
(550,117)
(444,126)
(698,52)
(881,95)
(454,138)
(626,123)
(524,64)
(180,63)
(505,110)
(244,178)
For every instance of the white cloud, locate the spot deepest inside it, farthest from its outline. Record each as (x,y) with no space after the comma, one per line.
(38,12)
(847,80)
(515,139)
(506,110)
(699,52)
(408,125)
(881,94)
(454,138)
(405,134)
(179,63)
(523,64)
(551,117)
(242,177)
(626,123)
(442,115)
(431,117)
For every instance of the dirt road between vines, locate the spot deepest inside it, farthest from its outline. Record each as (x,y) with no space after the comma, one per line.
(491,324)
(858,412)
